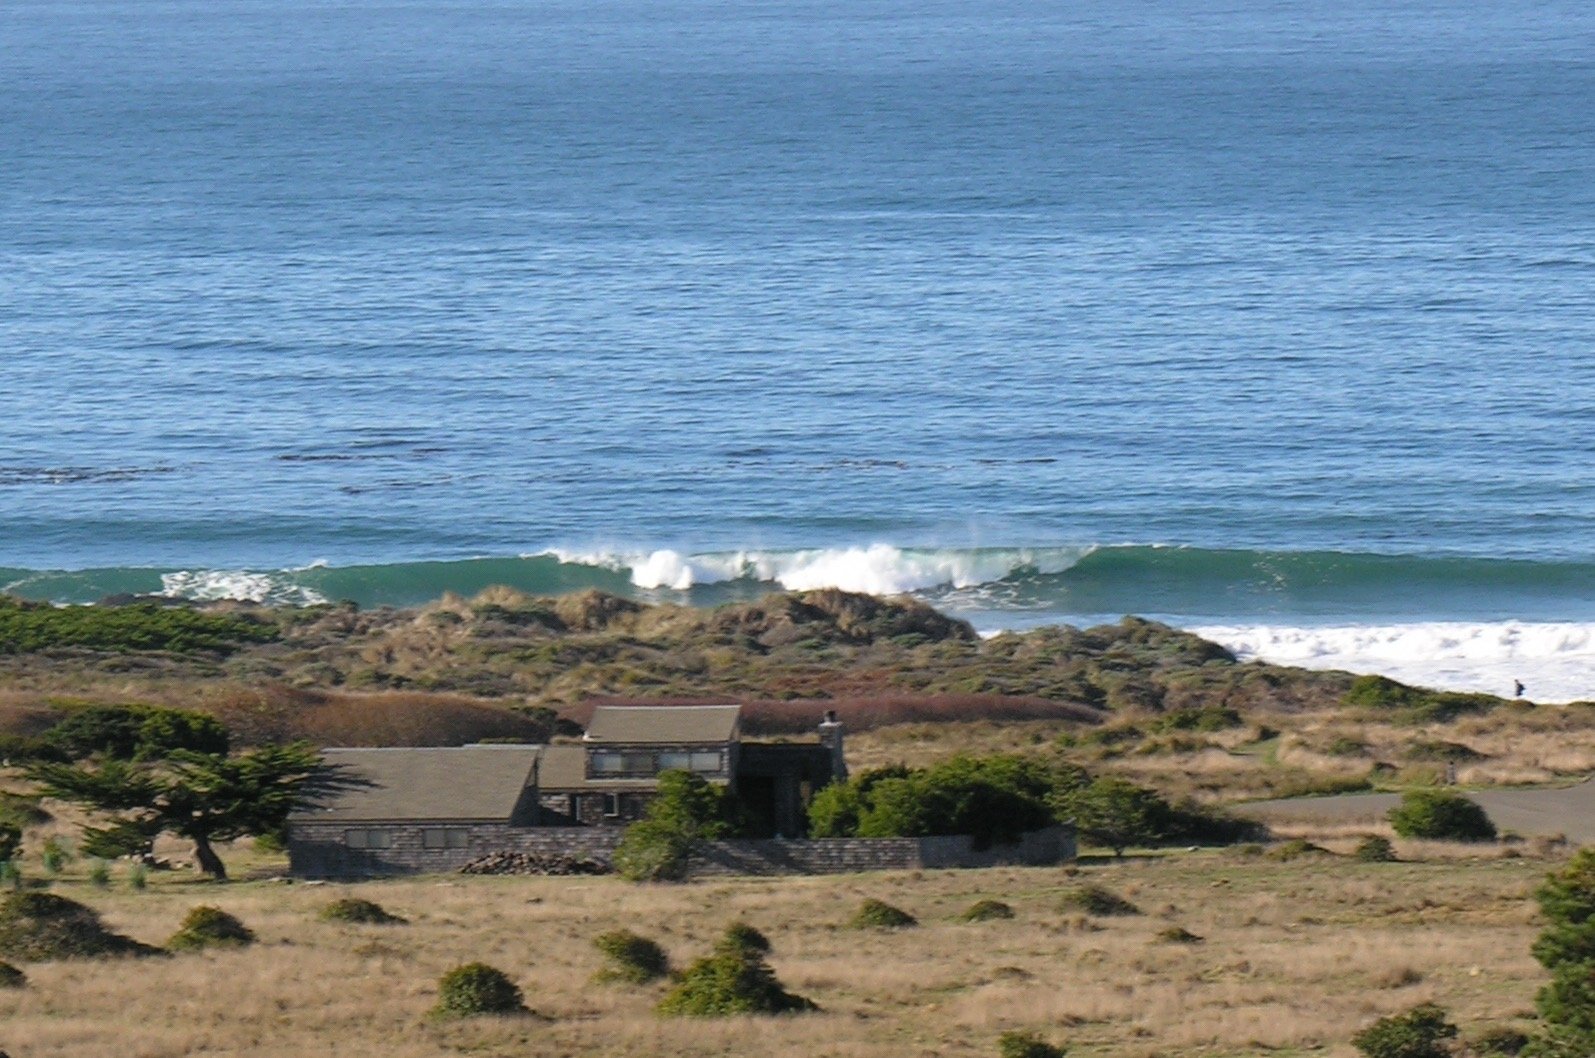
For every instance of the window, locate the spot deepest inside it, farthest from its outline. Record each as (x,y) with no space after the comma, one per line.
(444,838)
(608,763)
(611,805)
(675,761)
(706,762)
(368,839)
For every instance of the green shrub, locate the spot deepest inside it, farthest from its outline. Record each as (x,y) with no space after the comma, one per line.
(1442,751)
(1419,1033)
(138,877)
(210,927)
(740,936)
(100,874)
(687,809)
(11,977)
(476,988)
(1442,815)
(1017,1044)
(27,627)
(1207,718)
(1375,849)
(986,911)
(732,981)
(1294,849)
(1500,1041)
(1178,935)
(56,854)
(877,914)
(354,910)
(36,926)
(634,959)
(1116,813)
(1095,900)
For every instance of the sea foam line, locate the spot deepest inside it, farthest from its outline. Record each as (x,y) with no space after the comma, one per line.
(1554,660)
(877,569)
(275,588)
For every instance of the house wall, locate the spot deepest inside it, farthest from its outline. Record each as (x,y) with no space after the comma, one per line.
(318,850)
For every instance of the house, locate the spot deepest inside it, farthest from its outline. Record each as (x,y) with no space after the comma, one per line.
(431,809)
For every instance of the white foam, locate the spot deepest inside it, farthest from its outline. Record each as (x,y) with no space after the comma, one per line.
(879,569)
(276,588)
(1555,661)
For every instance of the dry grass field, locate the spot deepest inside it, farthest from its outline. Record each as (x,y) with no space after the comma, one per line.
(1296,956)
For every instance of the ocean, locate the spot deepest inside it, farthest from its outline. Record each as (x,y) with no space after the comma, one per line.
(1275,321)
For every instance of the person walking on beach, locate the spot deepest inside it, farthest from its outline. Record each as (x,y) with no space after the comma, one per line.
(1519,692)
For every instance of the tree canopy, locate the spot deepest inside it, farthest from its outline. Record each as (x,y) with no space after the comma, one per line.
(204,797)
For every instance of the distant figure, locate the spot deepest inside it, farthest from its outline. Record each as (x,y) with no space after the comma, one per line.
(1519,684)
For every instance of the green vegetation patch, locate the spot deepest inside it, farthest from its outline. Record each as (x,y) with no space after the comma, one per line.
(27,628)
(1441,815)
(633,958)
(1419,1033)
(354,910)
(477,988)
(736,979)
(1375,849)
(1097,900)
(210,927)
(877,914)
(739,936)
(986,911)
(37,927)
(1018,1044)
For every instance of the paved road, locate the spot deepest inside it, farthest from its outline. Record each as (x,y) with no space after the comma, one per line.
(1566,810)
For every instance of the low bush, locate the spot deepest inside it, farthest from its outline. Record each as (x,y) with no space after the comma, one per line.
(354,910)
(877,914)
(1441,815)
(27,627)
(1419,1033)
(1178,935)
(1500,1042)
(36,927)
(1095,900)
(633,958)
(1375,849)
(210,927)
(120,839)
(734,980)
(477,988)
(1294,849)
(739,936)
(1026,1045)
(11,977)
(986,911)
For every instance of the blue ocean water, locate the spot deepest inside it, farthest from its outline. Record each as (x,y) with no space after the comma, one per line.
(1257,315)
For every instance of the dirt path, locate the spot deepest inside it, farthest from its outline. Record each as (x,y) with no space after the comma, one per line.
(1568,810)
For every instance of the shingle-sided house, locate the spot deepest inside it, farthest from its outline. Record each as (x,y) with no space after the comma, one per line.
(428,809)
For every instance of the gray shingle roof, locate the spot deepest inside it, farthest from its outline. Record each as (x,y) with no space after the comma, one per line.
(465,783)
(664,724)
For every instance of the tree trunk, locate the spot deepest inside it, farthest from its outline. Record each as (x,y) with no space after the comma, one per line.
(207,860)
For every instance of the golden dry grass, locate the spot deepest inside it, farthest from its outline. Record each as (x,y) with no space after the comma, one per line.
(1296,957)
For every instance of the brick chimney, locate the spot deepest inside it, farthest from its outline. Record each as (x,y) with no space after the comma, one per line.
(831,738)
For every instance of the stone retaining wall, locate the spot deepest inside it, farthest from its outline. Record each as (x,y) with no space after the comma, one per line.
(319,850)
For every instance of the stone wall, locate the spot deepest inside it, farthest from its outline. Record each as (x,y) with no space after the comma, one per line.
(320,850)
(845,855)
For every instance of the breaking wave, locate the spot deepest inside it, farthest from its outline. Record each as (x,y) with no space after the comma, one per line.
(1454,622)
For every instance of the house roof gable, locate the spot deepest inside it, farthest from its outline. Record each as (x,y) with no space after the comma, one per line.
(434,783)
(664,724)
